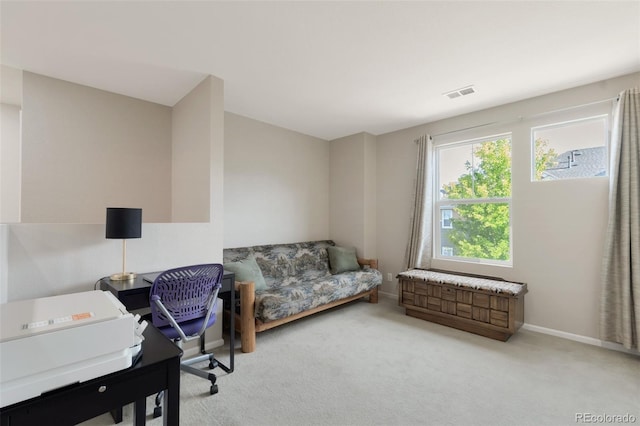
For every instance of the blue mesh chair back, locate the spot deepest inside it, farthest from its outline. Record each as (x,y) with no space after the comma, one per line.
(188,294)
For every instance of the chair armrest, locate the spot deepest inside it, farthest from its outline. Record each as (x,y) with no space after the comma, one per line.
(373,263)
(247,320)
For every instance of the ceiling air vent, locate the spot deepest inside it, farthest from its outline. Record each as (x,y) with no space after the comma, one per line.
(460,92)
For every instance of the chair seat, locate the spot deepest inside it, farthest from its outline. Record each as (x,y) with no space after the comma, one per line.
(190,328)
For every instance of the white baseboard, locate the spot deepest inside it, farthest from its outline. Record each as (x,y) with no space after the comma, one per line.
(192,348)
(557,333)
(578,338)
(563,334)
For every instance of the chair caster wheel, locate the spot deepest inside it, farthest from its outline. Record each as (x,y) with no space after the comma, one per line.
(213,364)
(157,412)
(213,390)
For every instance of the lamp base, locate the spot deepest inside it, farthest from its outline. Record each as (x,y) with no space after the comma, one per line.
(126,276)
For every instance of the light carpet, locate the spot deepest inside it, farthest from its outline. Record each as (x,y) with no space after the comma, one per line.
(369,364)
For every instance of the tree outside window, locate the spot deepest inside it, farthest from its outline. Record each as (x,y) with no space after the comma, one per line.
(480,200)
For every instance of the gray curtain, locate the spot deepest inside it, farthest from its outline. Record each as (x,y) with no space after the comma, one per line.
(620,309)
(419,248)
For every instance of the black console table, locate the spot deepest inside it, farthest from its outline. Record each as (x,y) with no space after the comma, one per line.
(134,294)
(157,370)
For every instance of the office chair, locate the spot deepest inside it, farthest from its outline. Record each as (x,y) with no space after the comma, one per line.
(183,302)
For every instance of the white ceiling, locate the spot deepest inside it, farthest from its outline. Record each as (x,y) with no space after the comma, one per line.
(327,69)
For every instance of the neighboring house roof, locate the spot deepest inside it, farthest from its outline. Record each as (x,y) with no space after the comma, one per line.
(587,162)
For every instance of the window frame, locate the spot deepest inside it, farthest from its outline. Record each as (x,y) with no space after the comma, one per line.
(559,122)
(442,249)
(442,219)
(440,204)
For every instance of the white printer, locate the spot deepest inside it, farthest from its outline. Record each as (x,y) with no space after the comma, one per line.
(52,342)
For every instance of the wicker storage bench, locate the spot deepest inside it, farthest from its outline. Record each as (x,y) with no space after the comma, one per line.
(487,306)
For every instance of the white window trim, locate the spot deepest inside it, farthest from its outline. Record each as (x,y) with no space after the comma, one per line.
(439,204)
(558,122)
(442,225)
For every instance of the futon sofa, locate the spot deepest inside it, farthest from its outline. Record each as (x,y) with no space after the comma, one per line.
(280,283)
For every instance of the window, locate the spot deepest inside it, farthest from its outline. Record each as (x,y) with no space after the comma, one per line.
(447,251)
(473,187)
(569,150)
(446,216)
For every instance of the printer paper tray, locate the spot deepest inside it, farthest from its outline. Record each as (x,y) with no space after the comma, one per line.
(32,386)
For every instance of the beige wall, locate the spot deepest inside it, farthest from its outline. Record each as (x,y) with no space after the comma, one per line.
(558,227)
(10,85)
(10,144)
(4,263)
(10,164)
(396,173)
(276,184)
(370,221)
(85,149)
(215,88)
(190,157)
(347,193)
(353,194)
(39,260)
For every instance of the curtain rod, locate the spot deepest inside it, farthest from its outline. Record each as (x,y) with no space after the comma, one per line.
(527,117)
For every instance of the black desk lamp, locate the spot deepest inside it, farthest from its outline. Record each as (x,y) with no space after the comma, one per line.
(123,223)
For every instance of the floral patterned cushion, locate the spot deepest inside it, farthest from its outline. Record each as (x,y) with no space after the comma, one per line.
(298,278)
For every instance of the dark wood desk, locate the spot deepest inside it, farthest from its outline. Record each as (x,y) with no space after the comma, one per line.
(134,294)
(157,370)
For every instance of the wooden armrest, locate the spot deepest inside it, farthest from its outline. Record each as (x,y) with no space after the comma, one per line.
(239,285)
(373,263)
(247,320)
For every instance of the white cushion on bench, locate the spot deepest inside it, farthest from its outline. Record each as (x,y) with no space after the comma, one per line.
(494,286)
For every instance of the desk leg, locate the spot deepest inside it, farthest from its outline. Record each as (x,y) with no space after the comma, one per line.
(140,412)
(232,333)
(232,329)
(171,415)
(116,414)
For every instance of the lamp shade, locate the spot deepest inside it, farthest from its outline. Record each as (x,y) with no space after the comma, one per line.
(123,223)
